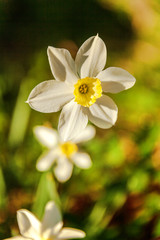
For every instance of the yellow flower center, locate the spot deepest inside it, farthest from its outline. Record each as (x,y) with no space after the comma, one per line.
(68,148)
(87,90)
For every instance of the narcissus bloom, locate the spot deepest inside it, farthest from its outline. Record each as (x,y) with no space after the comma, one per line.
(63,154)
(49,229)
(78,88)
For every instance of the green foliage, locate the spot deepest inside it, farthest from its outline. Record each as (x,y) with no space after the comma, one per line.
(46,191)
(2,190)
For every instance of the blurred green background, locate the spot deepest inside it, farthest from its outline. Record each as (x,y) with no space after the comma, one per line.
(119,197)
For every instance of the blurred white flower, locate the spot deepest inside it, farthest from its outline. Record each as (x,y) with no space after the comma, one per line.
(65,154)
(49,229)
(78,88)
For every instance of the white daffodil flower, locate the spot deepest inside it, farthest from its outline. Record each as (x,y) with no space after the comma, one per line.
(78,88)
(49,229)
(64,154)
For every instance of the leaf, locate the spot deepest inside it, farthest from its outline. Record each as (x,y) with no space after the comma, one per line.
(46,191)
(2,190)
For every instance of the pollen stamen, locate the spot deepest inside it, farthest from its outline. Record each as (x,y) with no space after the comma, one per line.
(83,88)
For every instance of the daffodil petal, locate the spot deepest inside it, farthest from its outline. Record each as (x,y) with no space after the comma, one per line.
(50,96)
(67,233)
(47,136)
(115,79)
(17,238)
(91,57)
(63,170)
(51,218)
(57,228)
(87,134)
(72,121)
(103,113)
(50,233)
(82,160)
(29,225)
(62,64)
(46,160)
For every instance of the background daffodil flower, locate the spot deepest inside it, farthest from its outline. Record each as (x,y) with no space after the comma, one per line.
(64,154)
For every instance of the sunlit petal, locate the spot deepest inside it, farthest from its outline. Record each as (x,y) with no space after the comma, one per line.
(17,238)
(46,160)
(50,233)
(115,79)
(47,136)
(63,170)
(91,57)
(87,134)
(51,218)
(72,121)
(62,64)
(67,233)
(50,96)
(82,160)
(29,225)
(103,113)
(57,228)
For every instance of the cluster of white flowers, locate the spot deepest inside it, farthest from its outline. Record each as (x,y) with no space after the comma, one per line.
(79,90)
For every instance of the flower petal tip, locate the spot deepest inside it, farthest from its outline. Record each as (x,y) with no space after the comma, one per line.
(48,49)
(82,233)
